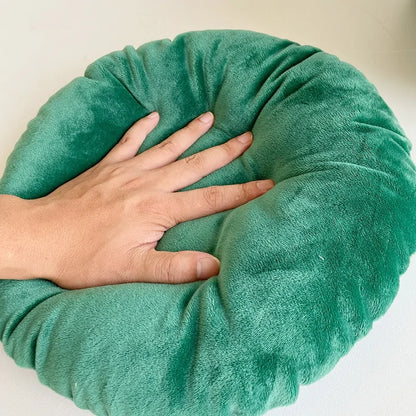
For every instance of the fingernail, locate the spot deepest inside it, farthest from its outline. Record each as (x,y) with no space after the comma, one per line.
(207,267)
(265,185)
(245,138)
(206,117)
(153,115)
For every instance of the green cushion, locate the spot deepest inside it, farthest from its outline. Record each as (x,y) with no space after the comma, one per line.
(305,269)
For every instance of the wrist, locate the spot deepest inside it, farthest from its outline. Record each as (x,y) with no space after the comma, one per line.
(20,251)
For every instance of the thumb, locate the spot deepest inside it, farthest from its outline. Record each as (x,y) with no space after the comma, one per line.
(178,267)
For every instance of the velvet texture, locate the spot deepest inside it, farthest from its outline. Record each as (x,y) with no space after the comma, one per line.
(305,268)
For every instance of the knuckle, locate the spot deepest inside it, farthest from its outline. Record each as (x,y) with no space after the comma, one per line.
(141,182)
(130,186)
(149,205)
(155,210)
(212,196)
(195,126)
(127,137)
(178,208)
(243,192)
(115,171)
(191,128)
(168,146)
(164,269)
(169,271)
(229,150)
(99,172)
(195,159)
(158,268)
(246,190)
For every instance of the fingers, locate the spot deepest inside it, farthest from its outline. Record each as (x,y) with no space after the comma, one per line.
(191,169)
(188,205)
(171,148)
(130,143)
(176,267)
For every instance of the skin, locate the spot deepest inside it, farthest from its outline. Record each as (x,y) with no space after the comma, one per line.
(102,227)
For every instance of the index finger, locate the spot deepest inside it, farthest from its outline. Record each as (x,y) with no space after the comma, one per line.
(133,138)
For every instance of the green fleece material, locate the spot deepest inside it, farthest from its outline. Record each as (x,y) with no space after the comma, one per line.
(305,269)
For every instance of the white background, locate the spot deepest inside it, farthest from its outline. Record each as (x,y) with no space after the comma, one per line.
(44,44)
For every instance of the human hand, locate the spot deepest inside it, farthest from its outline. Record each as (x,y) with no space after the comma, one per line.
(102,227)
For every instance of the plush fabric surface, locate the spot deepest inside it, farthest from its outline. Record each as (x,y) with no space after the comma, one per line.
(305,268)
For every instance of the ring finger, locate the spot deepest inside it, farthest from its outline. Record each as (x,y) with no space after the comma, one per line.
(191,169)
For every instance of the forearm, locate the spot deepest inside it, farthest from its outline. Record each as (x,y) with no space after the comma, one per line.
(18,245)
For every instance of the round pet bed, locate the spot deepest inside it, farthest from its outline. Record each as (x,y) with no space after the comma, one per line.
(305,269)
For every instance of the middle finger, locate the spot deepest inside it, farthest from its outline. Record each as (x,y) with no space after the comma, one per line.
(191,169)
